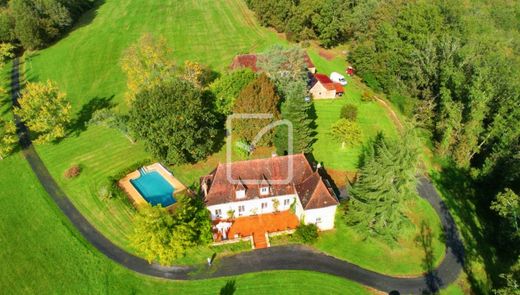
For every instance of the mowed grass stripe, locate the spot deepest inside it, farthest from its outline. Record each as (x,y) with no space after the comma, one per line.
(85,65)
(113,154)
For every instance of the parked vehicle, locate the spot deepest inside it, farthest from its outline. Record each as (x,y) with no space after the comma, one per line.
(338,78)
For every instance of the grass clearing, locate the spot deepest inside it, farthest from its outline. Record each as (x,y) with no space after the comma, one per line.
(43,253)
(403,259)
(372,118)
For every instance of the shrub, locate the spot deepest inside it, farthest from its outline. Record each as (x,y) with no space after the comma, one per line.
(367,96)
(104,192)
(349,112)
(72,172)
(306,233)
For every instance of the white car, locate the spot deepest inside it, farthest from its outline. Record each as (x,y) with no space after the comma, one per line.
(338,78)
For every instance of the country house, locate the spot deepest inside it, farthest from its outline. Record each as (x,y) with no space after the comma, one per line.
(257,197)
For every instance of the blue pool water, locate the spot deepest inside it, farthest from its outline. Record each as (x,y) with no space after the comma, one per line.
(154,188)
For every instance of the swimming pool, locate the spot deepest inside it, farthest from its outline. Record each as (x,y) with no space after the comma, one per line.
(154,188)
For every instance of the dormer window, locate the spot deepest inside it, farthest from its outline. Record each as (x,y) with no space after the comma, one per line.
(240,194)
(264,190)
(240,191)
(264,186)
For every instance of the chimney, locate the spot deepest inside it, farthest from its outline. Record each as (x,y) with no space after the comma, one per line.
(205,187)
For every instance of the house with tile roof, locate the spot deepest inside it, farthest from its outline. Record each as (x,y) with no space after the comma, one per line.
(283,189)
(322,87)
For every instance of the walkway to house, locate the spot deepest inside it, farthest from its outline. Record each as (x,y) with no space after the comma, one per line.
(258,225)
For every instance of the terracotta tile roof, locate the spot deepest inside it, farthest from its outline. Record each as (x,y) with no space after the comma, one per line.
(308,61)
(245,61)
(325,81)
(307,183)
(314,193)
(339,88)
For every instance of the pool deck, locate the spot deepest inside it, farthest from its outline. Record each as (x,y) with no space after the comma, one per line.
(134,195)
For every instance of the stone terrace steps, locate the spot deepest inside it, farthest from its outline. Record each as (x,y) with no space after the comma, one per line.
(259,240)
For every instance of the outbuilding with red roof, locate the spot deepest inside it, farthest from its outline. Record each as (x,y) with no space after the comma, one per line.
(322,87)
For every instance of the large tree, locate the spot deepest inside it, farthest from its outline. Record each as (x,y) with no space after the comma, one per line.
(507,206)
(386,179)
(346,132)
(227,87)
(283,65)
(298,112)
(164,236)
(259,97)
(147,63)
(8,138)
(175,121)
(35,23)
(45,110)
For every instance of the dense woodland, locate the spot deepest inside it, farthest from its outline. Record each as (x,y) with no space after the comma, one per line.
(453,67)
(34,24)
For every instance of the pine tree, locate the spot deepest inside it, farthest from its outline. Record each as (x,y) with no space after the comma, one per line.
(387,178)
(298,112)
(259,97)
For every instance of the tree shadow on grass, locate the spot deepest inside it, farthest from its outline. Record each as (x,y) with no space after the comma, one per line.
(79,124)
(229,288)
(85,19)
(424,239)
(460,196)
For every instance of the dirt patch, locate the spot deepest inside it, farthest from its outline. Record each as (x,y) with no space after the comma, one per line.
(340,177)
(327,54)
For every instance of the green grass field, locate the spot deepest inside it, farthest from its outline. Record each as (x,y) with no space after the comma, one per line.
(210,32)
(43,254)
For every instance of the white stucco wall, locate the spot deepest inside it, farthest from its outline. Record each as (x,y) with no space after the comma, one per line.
(251,205)
(326,214)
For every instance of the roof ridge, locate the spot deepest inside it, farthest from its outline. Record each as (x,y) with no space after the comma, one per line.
(267,159)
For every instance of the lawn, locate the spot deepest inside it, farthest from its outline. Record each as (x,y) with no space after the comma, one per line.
(85,65)
(405,258)
(42,253)
(372,118)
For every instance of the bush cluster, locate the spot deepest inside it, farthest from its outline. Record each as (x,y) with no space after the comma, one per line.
(306,233)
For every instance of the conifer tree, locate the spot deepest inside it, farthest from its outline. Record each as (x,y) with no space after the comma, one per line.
(259,97)
(387,178)
(298,112)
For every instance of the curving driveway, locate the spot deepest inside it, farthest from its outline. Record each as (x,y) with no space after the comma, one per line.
(274,258)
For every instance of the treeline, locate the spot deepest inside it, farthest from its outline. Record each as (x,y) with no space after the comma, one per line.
(455,70)
(33,24)
(324,20)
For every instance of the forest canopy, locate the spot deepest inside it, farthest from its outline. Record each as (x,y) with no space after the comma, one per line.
(35,24)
